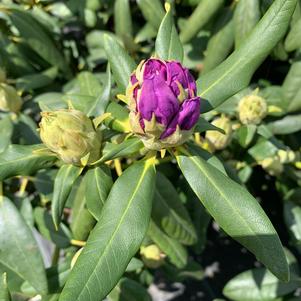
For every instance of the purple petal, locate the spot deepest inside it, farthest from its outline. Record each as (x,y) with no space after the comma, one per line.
(191,84)
(157,97)
(171,128)
(189,113)
(153,68)
(176,73)
(134,79)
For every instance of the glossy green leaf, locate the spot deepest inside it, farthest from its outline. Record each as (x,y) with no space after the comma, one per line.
(236,211)
(292,87)
(176,253)
(246,16)
(126,148)
(19,251)
(292,218)
(171,214)
(200,16)
(221,42)
(6,131)
(236,71)
(121,63)
(128,289)
(116,237)
(152,11)
(292,41)
(168,45)
(60,237)
(50,101)
(63,183)
(4,292)
(98,185)
(119,117)
(102,100)
(260,285)
(286,125)
(37,38)
(24,160)
(203,125)
(245,134)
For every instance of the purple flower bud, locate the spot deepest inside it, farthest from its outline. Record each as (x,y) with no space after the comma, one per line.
(163,103)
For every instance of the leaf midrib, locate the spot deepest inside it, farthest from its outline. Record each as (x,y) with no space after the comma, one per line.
(107,247)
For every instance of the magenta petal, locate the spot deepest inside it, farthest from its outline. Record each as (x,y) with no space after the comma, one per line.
(152,68)
(176,73)
(189,113)
(157,97)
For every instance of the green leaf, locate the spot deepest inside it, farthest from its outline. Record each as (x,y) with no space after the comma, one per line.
(292,88)
(119,118)
(19,251)
(260,285)
(121,63)
(35,35)
(116,237)
(50,101)
(245,134)
(152,11)
(236,71)
(168,45)
(246,16)
(4,292)
(287,125)
(102,100)
(292,218)
(176,253)
(221,42)
(63,183)
(128,289)
(61,237)
(236,211)
(126,148)
(24,160)
(170,214)
(98,185)
(200,17)
(6,131)
(293,39)
(203,125)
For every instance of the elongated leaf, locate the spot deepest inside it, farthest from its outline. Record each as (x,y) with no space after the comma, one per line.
(170,214)
(102,100)
(152,11)
(126,148)
(292,41)
(98,185)
(292,218)
(119,118)
(116,237)
(37,38)
(168,45)
(128,289)
(63,183)
(176,253)
(200,16)
(236,71)
(6,131)
(121,63)
(221,42)
(260,285)
(292,87)
(287,125)
(203,125)
(236,211)
(4,292)
(246,16)
(60,237)
(19,251)
(24,160)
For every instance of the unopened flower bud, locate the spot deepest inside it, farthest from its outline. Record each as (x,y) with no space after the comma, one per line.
(163,103)
(286,156)
(218,139)
(152,256)
(10,101)
(71,135)
(272,165)
(252,109)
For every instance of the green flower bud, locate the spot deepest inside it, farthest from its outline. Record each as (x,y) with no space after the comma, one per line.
(71,135)
(10,101)
(272,165)
(286,156)
(152,256)
(219,140)
(252,109)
